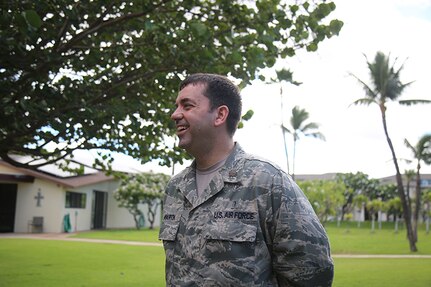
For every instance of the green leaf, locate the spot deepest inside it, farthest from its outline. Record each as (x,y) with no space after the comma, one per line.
(312,47)
(335,26)
(247,116)
(32,18)
(199,28)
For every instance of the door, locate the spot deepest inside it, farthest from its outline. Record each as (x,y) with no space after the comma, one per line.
(99,209)
(7,207)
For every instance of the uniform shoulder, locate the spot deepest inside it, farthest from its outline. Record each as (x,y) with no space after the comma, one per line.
(257,162)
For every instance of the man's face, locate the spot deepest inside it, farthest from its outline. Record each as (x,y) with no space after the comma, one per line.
(193,119)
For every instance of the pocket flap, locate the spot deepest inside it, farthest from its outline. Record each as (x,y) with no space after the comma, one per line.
(235,231)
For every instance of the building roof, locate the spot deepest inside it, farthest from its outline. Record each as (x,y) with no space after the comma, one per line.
(69,181)
(325,176)
(392,179)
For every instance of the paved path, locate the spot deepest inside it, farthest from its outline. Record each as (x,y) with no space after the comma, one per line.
(67,237)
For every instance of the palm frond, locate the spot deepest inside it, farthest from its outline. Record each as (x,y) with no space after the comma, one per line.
(317,135)
(364,101)
(413,102)
(286,130)
(368,90)
(310,126)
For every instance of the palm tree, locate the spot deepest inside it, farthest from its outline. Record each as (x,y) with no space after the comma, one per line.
(386,86)
(374,206)
(299,127)
(409,175)
(360,201)
(282,131)
(284,75)
(421,152)
(427,201)
(394,205)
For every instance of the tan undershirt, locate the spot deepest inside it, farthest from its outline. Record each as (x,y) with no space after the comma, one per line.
(204,176)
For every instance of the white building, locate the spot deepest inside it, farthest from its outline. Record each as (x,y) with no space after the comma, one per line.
(28,195)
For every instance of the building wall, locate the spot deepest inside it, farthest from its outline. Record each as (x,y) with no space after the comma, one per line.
(53,206)
(49,209)
(80,218)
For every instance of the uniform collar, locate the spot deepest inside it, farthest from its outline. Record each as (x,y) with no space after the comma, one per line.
(229,173)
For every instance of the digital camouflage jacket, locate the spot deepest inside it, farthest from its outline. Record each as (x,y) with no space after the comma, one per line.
(252,226)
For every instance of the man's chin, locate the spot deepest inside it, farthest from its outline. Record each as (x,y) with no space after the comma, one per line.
(183,144)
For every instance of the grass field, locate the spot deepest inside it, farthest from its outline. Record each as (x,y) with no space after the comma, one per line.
(346,239)
(382,272)
(25,262)
(41,263)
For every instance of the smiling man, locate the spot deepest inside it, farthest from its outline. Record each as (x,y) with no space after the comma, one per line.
(232,219)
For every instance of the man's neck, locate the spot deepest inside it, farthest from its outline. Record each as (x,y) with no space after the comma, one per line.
(214,156)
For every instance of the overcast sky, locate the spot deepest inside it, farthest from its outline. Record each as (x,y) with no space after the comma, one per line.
(355,140)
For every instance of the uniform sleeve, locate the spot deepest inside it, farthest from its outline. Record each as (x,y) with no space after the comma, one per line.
(301,251)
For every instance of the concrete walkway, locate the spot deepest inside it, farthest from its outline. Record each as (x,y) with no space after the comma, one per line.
(67,237)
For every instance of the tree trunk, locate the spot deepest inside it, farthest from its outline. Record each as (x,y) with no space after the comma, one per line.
(428,218)
(282,130)
(417,202)
(136,219)
(294,155)
(379,219)
(396,223)
(400,187)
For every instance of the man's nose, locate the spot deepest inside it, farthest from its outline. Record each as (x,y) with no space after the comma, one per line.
(176,115)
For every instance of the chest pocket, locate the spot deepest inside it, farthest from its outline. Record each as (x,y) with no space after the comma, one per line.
(231,230)
(230,245)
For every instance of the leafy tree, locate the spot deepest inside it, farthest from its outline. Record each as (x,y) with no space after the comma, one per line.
(359,201)
(103,74)
(374,206)
(357,184)
(386,86)
(427,201)
(409,175)
(142,188)
(422,153)
(394,207)
(386,192)
(299,126)
(324,195)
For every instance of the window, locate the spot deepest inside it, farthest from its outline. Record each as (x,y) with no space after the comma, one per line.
(425,182)
(75,199)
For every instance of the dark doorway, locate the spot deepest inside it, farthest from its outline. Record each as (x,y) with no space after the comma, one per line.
(99,209)
(7,207)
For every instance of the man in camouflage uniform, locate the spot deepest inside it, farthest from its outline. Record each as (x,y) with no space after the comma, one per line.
(232,219)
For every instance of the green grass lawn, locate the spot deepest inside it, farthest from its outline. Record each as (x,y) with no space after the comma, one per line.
(348,239)
(382,272)
(143,235)
(25,262)
(41,263)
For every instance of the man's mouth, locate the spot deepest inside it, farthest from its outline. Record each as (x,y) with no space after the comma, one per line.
(181,128)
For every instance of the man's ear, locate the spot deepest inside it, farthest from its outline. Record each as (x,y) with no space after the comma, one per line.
(221,116)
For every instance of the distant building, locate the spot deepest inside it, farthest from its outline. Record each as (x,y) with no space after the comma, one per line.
(425,181)
(38,201)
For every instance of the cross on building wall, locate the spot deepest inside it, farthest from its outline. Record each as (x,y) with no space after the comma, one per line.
(39,198)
